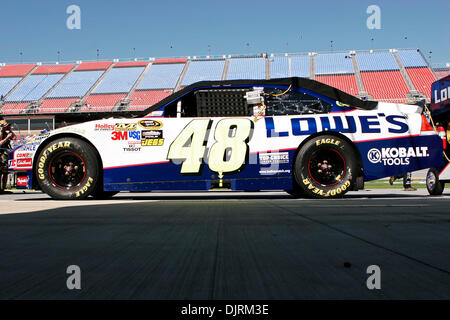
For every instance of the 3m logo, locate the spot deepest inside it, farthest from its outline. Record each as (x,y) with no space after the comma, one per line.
(374,155)
(119,135)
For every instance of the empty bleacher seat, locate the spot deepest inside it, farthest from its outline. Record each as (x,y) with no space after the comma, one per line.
(56,105)
(119,80)
(203,70)
(170,60)
(101,102)
(142,99)
(346,82)
(300,66)
(6,84)
(34,87)
(247,68)
(333,63)
(422,78)
(14,108)
(279,67)
(76,84)
(376,61)
(441,73)
(16,70)
(411,58)
(161,76)
(51,69)
(99,65)
(131,64)
(385,85)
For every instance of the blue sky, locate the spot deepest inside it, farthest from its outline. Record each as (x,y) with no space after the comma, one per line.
(183,28)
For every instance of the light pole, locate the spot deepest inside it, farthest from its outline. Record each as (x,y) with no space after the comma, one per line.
(59,55)
(98,53)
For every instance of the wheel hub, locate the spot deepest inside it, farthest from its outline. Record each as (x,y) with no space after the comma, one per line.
(67,170)
(326,167)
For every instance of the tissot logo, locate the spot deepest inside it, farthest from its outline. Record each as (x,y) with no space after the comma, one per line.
(396,156)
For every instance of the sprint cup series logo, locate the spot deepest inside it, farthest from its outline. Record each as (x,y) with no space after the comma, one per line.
(396,156)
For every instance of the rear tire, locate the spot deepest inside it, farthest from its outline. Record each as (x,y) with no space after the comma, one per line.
(434,186)
(102,195)
(325,167)
(67,168)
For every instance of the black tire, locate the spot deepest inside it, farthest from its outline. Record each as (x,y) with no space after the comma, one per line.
(325,167)
(296,192)
(68,168)
(102,195)
(434,186)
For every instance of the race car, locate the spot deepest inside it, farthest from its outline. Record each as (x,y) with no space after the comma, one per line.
(291,134)
(440,111)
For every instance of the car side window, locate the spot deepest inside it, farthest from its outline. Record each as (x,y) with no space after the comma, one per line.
(293,102)
(211,102)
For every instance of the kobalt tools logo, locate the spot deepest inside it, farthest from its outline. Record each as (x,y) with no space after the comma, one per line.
(396,156)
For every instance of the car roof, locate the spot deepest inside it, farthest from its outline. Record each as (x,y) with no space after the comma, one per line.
(296,82)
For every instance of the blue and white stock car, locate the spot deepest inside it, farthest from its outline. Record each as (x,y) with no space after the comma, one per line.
(291,134)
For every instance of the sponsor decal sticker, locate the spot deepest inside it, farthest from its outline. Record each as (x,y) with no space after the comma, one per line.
(104,127)
(21,155)
(132,148)
(125,135)
(150,124)
(274,158)
(152,138)
(125,127)
(30,147)
(22,181)
(396,156)
(24,163)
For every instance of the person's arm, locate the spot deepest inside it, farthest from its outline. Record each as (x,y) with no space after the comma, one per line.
(6,138)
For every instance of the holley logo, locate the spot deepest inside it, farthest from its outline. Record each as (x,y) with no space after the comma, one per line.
(396,156)
(104,127)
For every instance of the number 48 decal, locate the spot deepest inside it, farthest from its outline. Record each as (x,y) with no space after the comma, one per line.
(227,154)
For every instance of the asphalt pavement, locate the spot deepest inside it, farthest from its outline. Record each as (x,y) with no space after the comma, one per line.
(226,245)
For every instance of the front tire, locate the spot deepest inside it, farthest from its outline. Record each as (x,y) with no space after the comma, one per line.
(434,186)
(68,168)
(325,167)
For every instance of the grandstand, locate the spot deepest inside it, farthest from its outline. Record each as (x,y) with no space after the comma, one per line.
(104,87)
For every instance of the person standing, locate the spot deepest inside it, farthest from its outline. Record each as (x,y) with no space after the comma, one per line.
(406,181)
(6,135)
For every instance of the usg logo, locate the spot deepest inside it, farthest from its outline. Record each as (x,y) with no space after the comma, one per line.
(396,156)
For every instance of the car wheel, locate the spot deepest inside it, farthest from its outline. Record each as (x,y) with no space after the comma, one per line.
(325,167)
(68,168)
(434,186)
